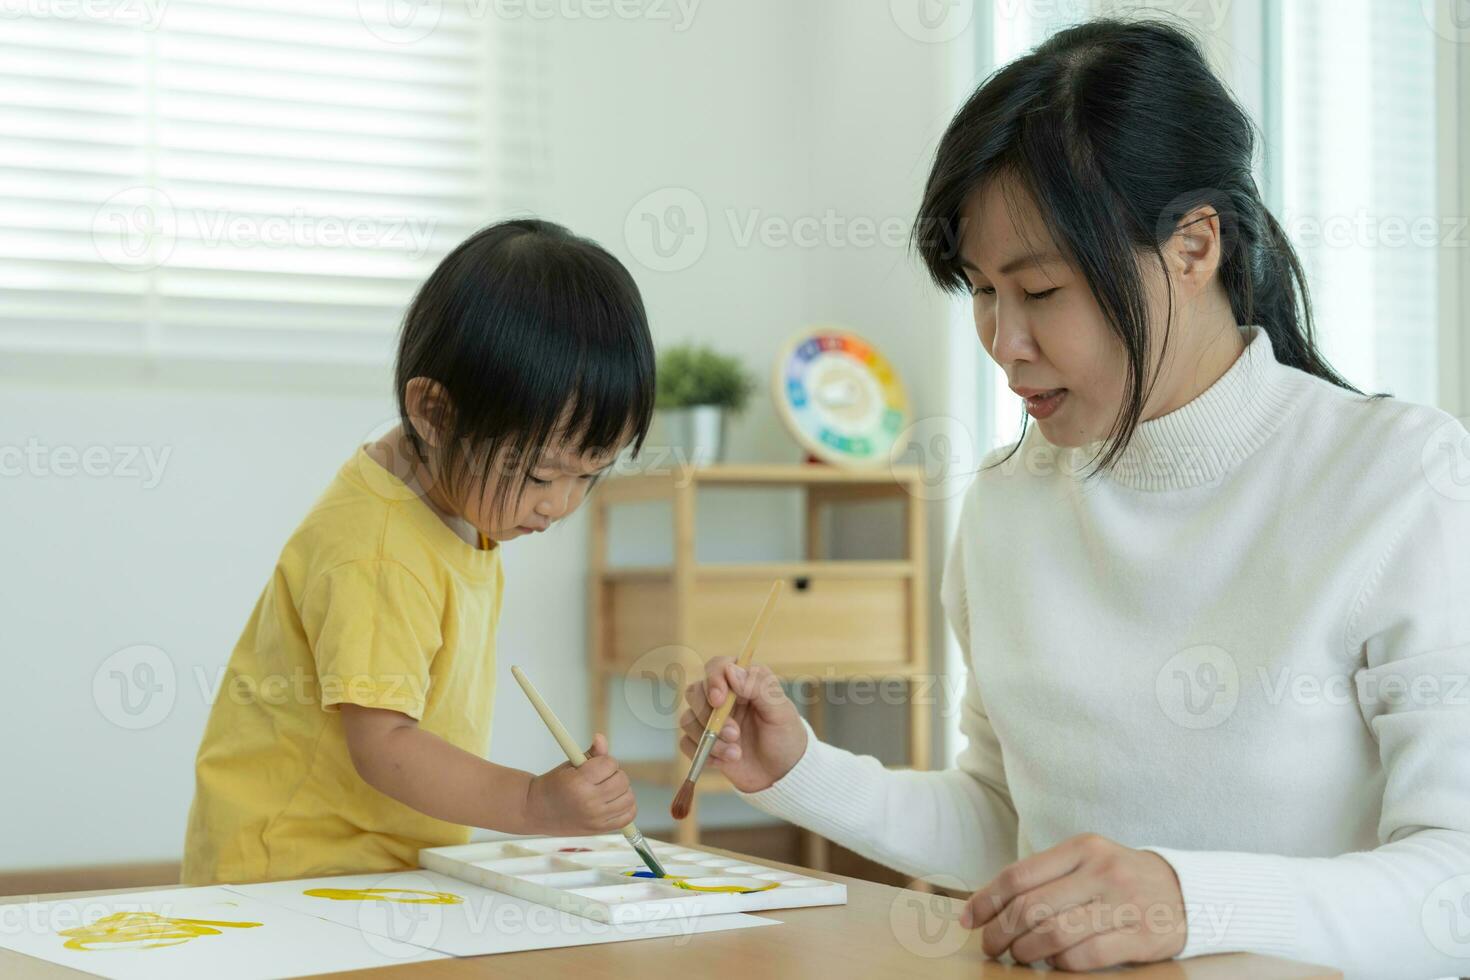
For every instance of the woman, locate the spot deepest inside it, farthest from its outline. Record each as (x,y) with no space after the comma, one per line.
(1213,602)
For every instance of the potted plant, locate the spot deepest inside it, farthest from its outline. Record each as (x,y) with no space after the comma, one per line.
(698,390)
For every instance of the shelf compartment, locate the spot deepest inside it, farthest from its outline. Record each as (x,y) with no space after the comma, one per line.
(849,618)
(766,571)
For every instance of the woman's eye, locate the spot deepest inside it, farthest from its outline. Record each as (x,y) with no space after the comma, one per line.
(1043,294)
(535,482)
(982,291)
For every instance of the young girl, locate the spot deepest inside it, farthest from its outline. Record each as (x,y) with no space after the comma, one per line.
(355,713)
(1215,603)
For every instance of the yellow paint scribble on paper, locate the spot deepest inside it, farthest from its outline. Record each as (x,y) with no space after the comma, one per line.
(143,930)
(404,896)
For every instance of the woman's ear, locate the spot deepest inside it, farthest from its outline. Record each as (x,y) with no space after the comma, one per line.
(1194,249)
(428,409)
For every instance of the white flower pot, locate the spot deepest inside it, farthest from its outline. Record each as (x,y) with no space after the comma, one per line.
(696,435)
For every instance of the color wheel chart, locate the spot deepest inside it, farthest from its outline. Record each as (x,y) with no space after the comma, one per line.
(840,397)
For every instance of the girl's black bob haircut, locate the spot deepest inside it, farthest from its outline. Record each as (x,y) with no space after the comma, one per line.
(540,341)
(1118,129)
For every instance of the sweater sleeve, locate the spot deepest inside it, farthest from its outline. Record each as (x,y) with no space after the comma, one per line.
(957,823)
(1401,910)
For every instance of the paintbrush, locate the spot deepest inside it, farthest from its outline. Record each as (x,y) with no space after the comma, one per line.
(578,759)
(717,717)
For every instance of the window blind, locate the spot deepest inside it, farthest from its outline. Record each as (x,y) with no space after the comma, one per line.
(1358,186)
(235,179)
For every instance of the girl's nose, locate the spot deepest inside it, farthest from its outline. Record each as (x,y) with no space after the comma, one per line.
(552,506)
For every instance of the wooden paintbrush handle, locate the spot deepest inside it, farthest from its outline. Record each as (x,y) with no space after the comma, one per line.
(574,752)
(718,716)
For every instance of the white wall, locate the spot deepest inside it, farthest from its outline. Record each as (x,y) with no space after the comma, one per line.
(761,108)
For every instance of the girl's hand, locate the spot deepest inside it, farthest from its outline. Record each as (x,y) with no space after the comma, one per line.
(1086,904)
(595,798)
(763,737)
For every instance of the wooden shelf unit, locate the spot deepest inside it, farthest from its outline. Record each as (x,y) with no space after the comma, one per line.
(837,620)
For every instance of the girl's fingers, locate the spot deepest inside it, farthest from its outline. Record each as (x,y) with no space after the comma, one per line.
(598,769)
(619,803)
(615,821)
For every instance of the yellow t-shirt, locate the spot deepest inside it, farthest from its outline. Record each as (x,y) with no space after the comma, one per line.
(374,601)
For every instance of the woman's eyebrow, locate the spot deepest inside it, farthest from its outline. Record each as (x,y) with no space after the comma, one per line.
(1019,262)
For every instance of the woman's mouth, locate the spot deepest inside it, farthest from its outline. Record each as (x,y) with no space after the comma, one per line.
(1046,403)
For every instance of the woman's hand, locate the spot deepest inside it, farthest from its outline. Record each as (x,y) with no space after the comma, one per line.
(1086,904)
(594,798)
(763,737)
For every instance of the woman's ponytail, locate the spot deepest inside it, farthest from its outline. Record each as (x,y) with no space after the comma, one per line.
(1267,284)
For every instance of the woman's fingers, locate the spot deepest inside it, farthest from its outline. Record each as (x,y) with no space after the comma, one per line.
(692,726)
(764,693)
(1032,923)
(698,700)
(721,753)
(724,746)
(716,680)
(1061,932)
(1023,876)
(1096,952)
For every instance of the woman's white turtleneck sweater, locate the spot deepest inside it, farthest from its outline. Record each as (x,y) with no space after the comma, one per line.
(1246,647)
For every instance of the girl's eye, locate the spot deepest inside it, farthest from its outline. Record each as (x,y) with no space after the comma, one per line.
(537,483)
(1043,294)
(982,291)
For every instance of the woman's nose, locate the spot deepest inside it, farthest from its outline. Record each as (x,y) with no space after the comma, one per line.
(1013,340)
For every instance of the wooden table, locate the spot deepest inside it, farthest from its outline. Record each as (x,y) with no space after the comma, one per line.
(881,932)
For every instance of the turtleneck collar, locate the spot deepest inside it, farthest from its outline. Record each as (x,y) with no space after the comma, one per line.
(1197,443)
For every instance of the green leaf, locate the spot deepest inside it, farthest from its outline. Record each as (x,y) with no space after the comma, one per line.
(690,374)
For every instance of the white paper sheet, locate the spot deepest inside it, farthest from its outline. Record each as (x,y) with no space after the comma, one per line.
(481,922)
(216,938)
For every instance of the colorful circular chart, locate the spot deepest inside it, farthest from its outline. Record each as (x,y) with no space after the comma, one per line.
(840,397)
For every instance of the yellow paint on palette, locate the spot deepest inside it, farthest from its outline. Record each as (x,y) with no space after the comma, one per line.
(694,886)
(403,896)
(143,930)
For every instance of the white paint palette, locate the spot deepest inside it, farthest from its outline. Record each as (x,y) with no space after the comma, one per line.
(596,877)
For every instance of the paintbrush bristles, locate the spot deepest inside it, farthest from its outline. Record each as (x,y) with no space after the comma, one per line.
(683,802)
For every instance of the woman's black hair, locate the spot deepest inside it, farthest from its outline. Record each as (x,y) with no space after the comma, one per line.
(1118,129)
(534,334)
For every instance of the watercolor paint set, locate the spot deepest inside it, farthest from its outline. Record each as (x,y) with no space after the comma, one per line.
(602,878)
